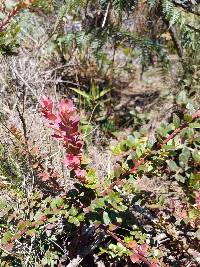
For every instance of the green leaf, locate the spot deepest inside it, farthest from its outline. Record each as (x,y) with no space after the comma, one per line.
(57,203)
(91,174)
(7,236)
(80,217)
(179,178)
(138,152)
(106,218)
(169,147)
(172,165)
(2,16)
(182,98)
(196,155)
(131,140)
(184,156)
(151,141)
(80,92)
(132,178)
(22,225)
(9,4)
(188,118)
(124,146)
(193,214)
(163,132)
(86,129)
(118,170)
(121,207)
(104,92)
(195,125)
(73,220)
(190,107)
(31,232)
(115,150)
(152,3)
(187,133)
(73,211)
(176,121)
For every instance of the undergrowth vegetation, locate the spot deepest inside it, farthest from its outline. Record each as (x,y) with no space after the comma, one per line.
(78,75)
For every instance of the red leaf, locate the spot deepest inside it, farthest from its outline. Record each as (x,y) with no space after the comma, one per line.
(135,258)
(45,176)
(133,244)
(80,173)
(142,249)
(8,247)
(65,126)
(72,161)
(66,109)
(197,199)
(46,102)
(47,107)
(155,263)
(183,214)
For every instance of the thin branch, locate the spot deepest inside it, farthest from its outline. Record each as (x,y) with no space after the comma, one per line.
(13,13)
(119,240)
(106,15)
(25,82)
(177,42)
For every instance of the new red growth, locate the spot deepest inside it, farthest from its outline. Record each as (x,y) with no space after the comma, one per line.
(65,123)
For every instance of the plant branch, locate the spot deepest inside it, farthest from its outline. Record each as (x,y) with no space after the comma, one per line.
(119,240)
(13,13)
(120,180)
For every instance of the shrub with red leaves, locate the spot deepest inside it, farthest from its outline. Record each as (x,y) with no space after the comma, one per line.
(65,123)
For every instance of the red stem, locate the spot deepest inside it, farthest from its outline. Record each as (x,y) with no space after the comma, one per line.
(176,131)
(114,236)
(13,13)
